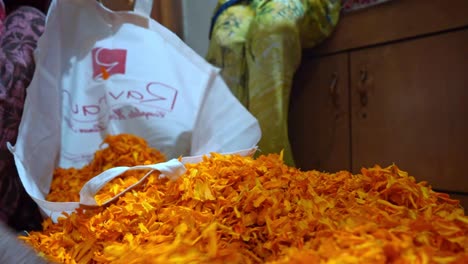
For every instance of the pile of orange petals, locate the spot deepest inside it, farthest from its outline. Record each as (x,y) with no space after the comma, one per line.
(119,150)
(231,209)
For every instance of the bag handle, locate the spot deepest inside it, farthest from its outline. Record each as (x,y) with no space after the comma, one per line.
(143,7)
(171,169)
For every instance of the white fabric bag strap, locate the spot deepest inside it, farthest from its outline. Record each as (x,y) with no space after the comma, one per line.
(171,169)
(143,7)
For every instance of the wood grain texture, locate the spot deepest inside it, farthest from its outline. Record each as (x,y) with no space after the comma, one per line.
(169,14)
(319,115)
(118,5)
(395,20)
(417,108)
(166,12)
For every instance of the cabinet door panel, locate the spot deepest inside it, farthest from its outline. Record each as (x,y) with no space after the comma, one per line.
(319,114)
(410,107)
(394,20)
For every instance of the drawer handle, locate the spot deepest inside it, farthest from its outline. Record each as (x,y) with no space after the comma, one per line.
(334,90)
(363,97)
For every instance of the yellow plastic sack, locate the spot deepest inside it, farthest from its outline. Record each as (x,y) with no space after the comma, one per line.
(258,44)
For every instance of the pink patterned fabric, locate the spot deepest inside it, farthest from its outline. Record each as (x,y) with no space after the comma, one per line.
(2,16)
(19,32)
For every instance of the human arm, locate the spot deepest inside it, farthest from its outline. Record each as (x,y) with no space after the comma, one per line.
(13,251)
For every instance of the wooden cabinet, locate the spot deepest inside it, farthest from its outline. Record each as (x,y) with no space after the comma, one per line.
(394,21)
(410,107)
(392,94)
(319,116)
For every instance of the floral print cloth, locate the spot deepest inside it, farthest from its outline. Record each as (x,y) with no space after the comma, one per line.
(19,32)
(257,44)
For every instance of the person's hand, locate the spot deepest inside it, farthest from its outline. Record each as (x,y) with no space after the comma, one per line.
(13,251)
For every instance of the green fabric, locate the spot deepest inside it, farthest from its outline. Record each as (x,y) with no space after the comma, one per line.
(258,46)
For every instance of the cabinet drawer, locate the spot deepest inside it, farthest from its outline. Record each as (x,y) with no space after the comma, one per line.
(409,107)
(395,20)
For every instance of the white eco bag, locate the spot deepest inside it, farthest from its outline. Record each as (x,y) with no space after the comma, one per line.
(101,72)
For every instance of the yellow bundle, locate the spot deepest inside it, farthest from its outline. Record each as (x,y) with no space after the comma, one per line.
(232,209)
(258,45)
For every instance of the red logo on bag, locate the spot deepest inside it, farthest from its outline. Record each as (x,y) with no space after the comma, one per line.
(108,62)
